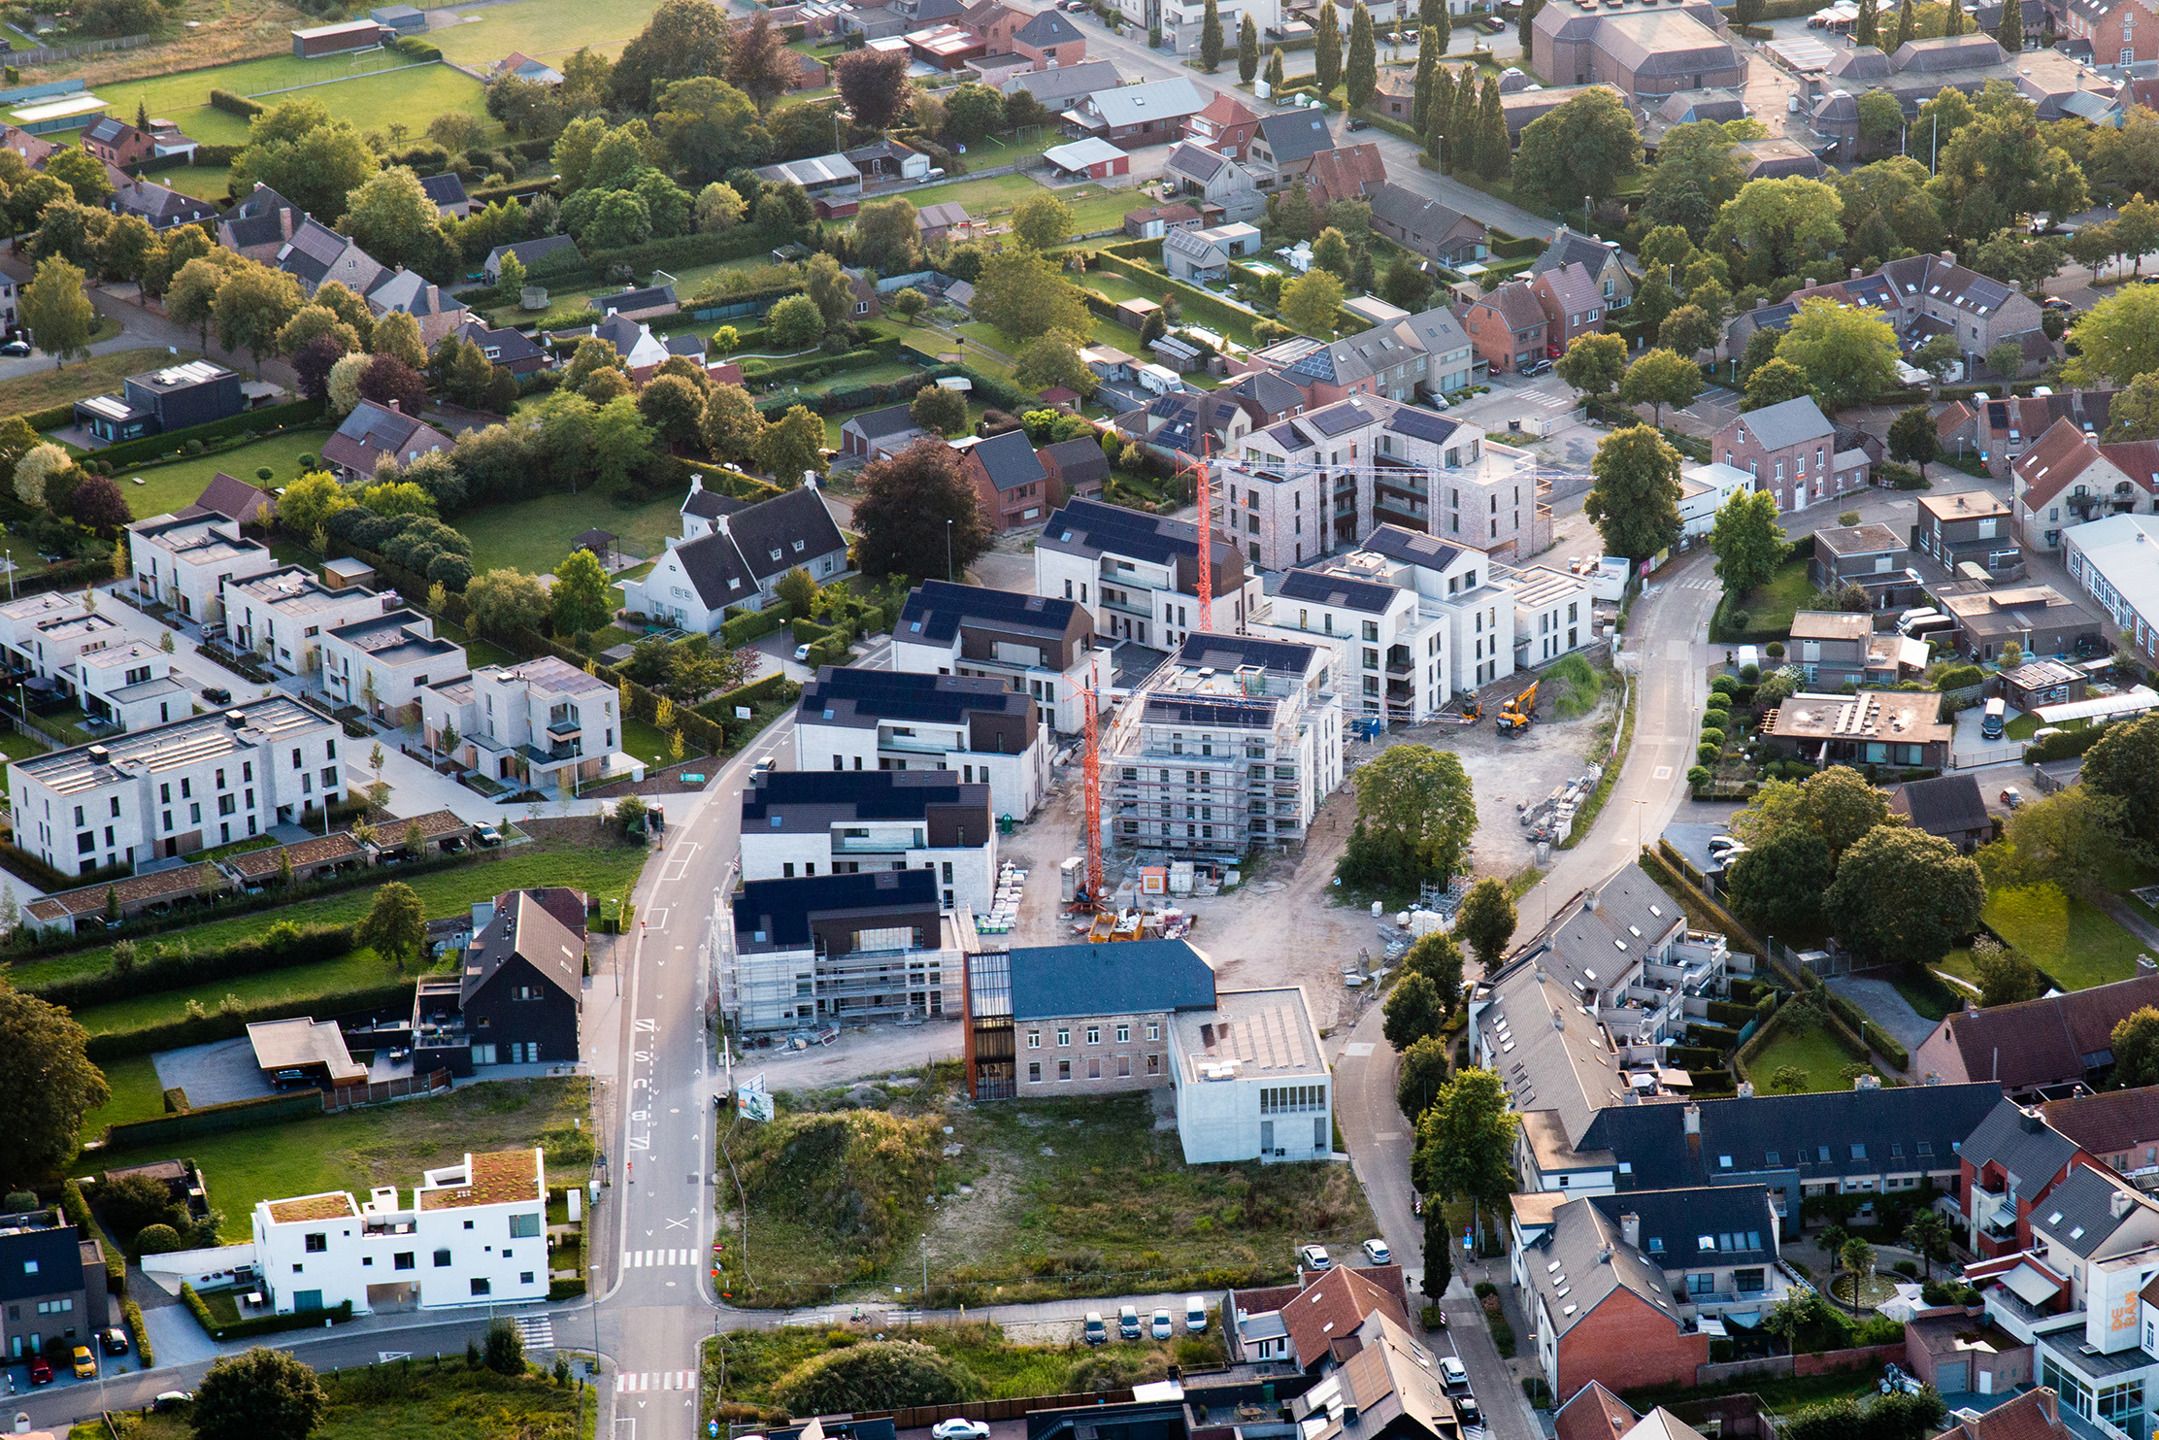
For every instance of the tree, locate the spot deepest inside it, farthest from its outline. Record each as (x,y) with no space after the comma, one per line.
(1494,150)
(1419,1073)
(1330,252)
(504,601)
(1912,438)
(395,926)
(792,446)
(1360,77)
(1274,70)
(1848,354)
(1634,494)
(798,590)
(505,1347)
(1415,815)
(795,323)
(1587,146)
(1413,1012)
(82,173)
(874,85)
(2068,839)
(683,38)
(393,219)
(1688,331)
(1291,211)
(1787,1080)
(310,323)
(17,439)
(719,208)
(2124,764)
(1902,894)
(1856,1257)
(1405,284)
(1465,1141)
(1327,53)
(1778,884)
(911,504)
(310,501)
(387,380)
(125,251)
(1928,1232)
(1486,922)
(1441,24)
(2005,977)
(36,470)
(732,424)
(1747,542)
(57,312)
(1042,220)
(2117,338)
(582,597)
(1053,361)
(1438,1255)
(2135,1043)
(1695,174)
(1782,225)
(760,65)
(1210,37)
(51,1086)
(1881,120)
(1773,382)
(1838,804)
(973,112)
(830,288)
(938,410)
(1311,302)
(874,1375)
(1247,49)
(1658,378)
(98,505)
(2002,165)
(1022,294)
(296,149)
(127,1203)
(255,1395)
(1866,30)
(1594,363)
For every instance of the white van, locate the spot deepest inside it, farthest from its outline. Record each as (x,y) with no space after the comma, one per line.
(1909,618)
(1195,1314)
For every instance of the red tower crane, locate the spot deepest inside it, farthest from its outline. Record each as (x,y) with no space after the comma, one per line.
(1204,493)
(1091,780)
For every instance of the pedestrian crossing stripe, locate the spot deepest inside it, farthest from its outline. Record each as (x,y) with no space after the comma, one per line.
(650,1259)
(538,1330)
(637,1382)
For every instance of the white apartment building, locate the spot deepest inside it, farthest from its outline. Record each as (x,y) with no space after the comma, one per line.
(1138,575)
(191,785)
(854,719)
(799,823)
(1042,647)
(474,1234)
(1182,22)
(540,722)
(280,616)
(131,685)
(2116,561)
(1251,1081)
(1229,748)
(832,948)
(384,663)
(45,634)
(186,561)
(1308,485)
(1551,613)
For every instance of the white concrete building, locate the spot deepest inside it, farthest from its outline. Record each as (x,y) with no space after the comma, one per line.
(540,722)
(46,633)
(854,719)
(184,562)
(474,1234)
(1551,613)
(1229,748)
(132,685)
(1042,647)
(1703,489)
(1250,1080)
(2116,562)
(280,617)
(384,663)
(1138,575)
(819,822)
(191,785)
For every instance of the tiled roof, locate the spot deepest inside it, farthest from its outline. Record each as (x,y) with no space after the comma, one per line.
(2046,1041)
(1946,805)
(2108,1122)
(1330,1309)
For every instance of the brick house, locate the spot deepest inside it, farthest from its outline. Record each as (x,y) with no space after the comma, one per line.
(1573,303)
(2069,478)
(52,1285)
(1009,479)
(1507,327)
(1791,451)
(1600,257)
(1049,39)
(2116,32)
(1226,126)
(1431,229)
(1099,1028)
(1602,1310)
(2034,1044)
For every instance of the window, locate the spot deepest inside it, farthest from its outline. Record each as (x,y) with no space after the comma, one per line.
(1154,1029)
(481,1285)
(1094,1034)
(1034,1072)
(1701,1282)
(1064,1070)
(1034,1039)
(442,1259)
(1124,1034)
(524,1227)
(403,1260)
(317,1242)
(1064,1036)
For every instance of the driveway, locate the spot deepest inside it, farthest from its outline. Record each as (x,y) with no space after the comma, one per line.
(1885,1007)
(213,1074)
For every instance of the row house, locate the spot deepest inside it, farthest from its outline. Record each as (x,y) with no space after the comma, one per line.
(280,616)
(823,822)
(185,562)
(1401,359)
(1137,575)
(2054,1042)
(2069,478)
(2111,561)
(543,723)
(834,949)
(1573,303)
(1791,451)
(2013,1161)
(1998,430)
(1921,296)
(52,1285)
(1971,527)
(1509,328)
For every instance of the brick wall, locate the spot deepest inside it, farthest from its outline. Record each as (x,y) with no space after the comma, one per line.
(1627,1345)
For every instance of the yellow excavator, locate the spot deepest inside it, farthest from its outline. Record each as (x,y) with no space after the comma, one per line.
(1519,713)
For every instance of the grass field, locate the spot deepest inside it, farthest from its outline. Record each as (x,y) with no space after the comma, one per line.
(2076,943)
(292,985)
(365,95)
(1093,208)
(534,535)
(169,486)
(385,1145)
(1809,1044)
(1770,608)
(603,869)
(46,387)
(415,1400)
(136,1095)
(543,29)
(15,745)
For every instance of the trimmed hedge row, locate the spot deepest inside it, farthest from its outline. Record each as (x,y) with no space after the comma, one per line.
(232,102)
(2063,746)
(261,1324)
(280,944)
(819,365)
(214,1119)
(226,1024)
(133,1314)
(169,446)
(52,417)
(752,626)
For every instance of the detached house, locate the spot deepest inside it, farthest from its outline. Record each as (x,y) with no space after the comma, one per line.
(1225,126)
(519,990)
(1507,327)
(1791,451)
(1573,304)
(2069,478)
(124,147)
(1424,225)
(1213,179)
(1600,257)
(1009,479)
(737,558)
(373,433)
(1131,117)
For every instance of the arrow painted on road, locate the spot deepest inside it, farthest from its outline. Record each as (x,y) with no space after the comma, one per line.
(384,1357)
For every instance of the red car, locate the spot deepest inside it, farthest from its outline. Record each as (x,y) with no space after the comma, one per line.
(40,1371)
(1553,352)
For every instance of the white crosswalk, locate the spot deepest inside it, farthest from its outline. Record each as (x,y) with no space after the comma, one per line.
(653,1259)
(639,1381)
(1710,583)
(539,1332)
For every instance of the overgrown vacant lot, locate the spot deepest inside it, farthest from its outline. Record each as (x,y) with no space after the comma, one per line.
(385,1145)
(1082,1197)
(543,29)
(413,1400)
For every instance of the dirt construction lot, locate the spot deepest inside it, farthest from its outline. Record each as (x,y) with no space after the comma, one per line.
(1285,924)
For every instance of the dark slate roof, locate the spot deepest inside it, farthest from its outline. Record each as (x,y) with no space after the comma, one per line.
(877,424)
(814,800)
(1295,135)
(715,567)
(1607,934)
(711,504)
(1134,977)
(792,528)
(1078,459)
(936,609)
(528,252)
(1228,652)
(2080,1213)
(1583,1261)
(1269,391)
(1570,247)
(447,188)
(1342,591)
(781,910)
(372,431)
(524,927)
(1946,805)
(1906,1128)
(1009,460)
(1700,1225)
(1047,28)
(2021,1142)
(56,1254)
(850,695)
(510,346)
(1411,547)
(652,297)
(160,206)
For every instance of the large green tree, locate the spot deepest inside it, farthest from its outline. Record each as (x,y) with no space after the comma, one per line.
(1022,294)
(1360,76)
(1438,959)
(582,597)
(1661,377)
(1327,52)
(1634,493)
(1839,804)
(1594,363)
(1696,172)
(298,150)
(1485,922)
(1311,303)
(2136,1048)
(1247,49)
(253,304)
(684,38)
(2124,765)
(1412,1012)
(913,504)
(1912,437)
(395,926)
(1416,814)
(1210,38)
(2117,338)
(1748,544)
(1849,355)
(1586,147)
(1419,1074)
(1465,1141)
(393,219)
(1778,884)
(256,1395)
(51,1085)
(1042,220)
(2003,166)
(1902,895)
(57,312)
(2069,839)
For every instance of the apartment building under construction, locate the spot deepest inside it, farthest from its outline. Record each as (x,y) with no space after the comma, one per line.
(1229,747)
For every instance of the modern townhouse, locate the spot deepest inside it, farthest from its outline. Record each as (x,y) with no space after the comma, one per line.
(1138,575)
(475,1233)
(1552,612)
(543,722)
(185,562)
(829,949)
(2116,562)
(157,402)
(981,729)
(1831,647)
(130,686)
(383,664)
(2069,478)
(2037,619)
(1973,528)
(1043,648)
(2020,1153)
(194,784)
(1871,555)
(52,1285)
(818,822)
(45,633)
(280,616)
(1791,451)
(1231,747)
(518,992)
(2034,1046)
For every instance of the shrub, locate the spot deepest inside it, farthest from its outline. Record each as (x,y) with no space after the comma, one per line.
(157,1240)
(1723,685)
(21,1200)
(886,1375)
(1706,752)
(1711,735)
(1697,777)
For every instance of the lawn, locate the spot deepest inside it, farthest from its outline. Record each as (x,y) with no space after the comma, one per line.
(1117,288)
(596,869)
(15,745)
(136,1095)
(1770,609)
(384,1145)
(1093,208)
(649,743)
(167,487)
(2076,943)
(1808,1043)
(410,1400)
(544,29)
(43,388)
(1925,991)
(362,94)
(293,985)
(534,535)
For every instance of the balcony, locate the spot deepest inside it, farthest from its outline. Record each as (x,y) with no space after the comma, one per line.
(565,728)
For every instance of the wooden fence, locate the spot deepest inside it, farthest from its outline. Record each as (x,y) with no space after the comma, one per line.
(349,1097)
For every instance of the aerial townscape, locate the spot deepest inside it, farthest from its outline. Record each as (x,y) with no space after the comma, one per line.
(1079,720)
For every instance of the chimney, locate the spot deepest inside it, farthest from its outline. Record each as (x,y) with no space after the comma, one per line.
(1746,1090)
(1949,257)
(392,403)
(1867,1082)
(2119,1202)
(1692,1115)
(1630,1230)
(1589,901)
(1971,1006)
(697,484)
(1856,272)
(1604,1254)
(2030,1122)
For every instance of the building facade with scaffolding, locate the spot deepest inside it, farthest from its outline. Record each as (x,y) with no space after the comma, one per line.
(835,949)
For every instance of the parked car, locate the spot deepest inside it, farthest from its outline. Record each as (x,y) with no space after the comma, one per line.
(958,1428)
(1195,1314)
(1472,1414)
(1128,1322)
(1536,367)
(1314,1257)
(114,1341)
(171,1400)
(2012,797)
(40,1370)
(1453,1376)
(1358,123)
(1092,1330)
(85,1364)
(1160,1326)
(487,835)
(217,694)
(15,349)
(802,653)
(1377,1253)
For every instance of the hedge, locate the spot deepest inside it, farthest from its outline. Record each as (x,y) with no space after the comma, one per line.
(227,1024)
(214,1119)
(2064,745)
(1958,677)
(1725,1012)
(415,47)
(261,1324)
(141,1332)
(52,417)
(752,625)
(75,1207)
(170,445)
(1195,304)
(819,365)
(234,103)
(265,951)
(565,1289)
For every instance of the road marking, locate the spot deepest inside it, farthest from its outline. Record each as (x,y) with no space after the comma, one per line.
(638,1381)
(657,919)
(1385,1137)
(1662,772)
(384,1357)
(1357,1049)
(538,1330)
(647,1026)
(655,1259)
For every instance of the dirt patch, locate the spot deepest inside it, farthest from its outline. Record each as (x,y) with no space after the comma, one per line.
(663,782)
(229,30)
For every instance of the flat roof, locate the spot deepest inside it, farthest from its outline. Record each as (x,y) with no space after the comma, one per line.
(499,1177)
(331,1205)
(81,104)
(302,1043)
(1910,717)
(166,747)
(1247,1035)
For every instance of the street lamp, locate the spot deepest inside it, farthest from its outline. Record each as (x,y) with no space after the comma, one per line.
(948,552)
